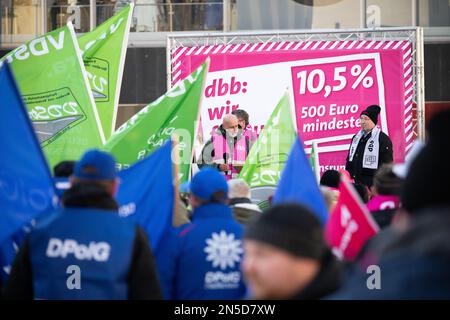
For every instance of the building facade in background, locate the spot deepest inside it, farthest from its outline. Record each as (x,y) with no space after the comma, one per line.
(145,68)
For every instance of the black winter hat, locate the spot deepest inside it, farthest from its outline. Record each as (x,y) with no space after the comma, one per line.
(372,112)
(426,184)
(289,227)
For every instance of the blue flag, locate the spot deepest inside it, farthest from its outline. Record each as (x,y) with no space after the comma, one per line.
(8,251)
(298,184)
(146,194)
(26,186)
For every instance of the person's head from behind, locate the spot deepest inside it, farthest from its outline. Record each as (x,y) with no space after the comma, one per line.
(386,182)
(284,248)
(243,118)
(331,179)
(238,188)
(64,169)
(369,117)
(230,124)
(426,183)
(96,168)
(208,186)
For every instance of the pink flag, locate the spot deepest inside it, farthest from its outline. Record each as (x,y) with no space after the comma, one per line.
(350,224)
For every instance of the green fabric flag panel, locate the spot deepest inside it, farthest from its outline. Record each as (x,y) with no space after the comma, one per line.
(54,86)
(176,112)
(269,154)
(103,51)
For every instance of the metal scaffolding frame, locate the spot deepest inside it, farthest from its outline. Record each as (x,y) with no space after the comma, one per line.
(412,34)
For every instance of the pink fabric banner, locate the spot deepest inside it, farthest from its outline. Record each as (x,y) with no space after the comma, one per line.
(331,82)
(350,224)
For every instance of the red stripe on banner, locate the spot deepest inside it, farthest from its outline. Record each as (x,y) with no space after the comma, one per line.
(208,50)
(280,45)
(179,53)
(361,44)
(271,46)
(388,45)
(290,44)
(370,44)
(235,48)
(253,47)
(244,47)
(325,45)
(342,46)
(408,147)
(190,51)
(176,76)
(406,48)
(306,46)
(226,48)
(298,45)
(398,44)
(408,109)
(261,47)
(217,49)
(316,44)
(352,45)
(200,50)
(176,67)
(334,45)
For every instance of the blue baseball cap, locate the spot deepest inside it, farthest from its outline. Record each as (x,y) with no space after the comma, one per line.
(95,165)
(207,182)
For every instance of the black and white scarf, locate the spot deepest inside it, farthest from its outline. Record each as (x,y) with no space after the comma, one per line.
(371,154)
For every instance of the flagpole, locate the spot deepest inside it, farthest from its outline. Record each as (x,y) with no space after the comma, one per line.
(122,58)
(316,161)
(197,126)
(176,173)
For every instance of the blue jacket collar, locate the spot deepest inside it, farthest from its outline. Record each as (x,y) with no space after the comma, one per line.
(212,210)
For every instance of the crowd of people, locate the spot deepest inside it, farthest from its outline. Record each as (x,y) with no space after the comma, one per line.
(222,246)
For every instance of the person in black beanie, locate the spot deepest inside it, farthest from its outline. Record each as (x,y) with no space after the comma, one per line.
(286,256)
(413,253)
(370,148)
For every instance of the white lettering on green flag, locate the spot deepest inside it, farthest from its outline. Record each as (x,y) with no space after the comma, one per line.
(53,82)
(267,157)
(104,50)
(176,112)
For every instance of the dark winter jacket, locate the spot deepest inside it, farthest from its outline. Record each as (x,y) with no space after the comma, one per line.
(327,281)
(201,260)
(355,168)
(413,265)
(142,280)
(243,209)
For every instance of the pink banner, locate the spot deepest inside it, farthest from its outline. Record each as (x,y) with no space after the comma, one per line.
(331,83)
(350,224)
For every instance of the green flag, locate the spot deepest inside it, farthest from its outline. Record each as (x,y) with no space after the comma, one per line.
(52,79)
(104,50)
(267,157)
(176,112)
